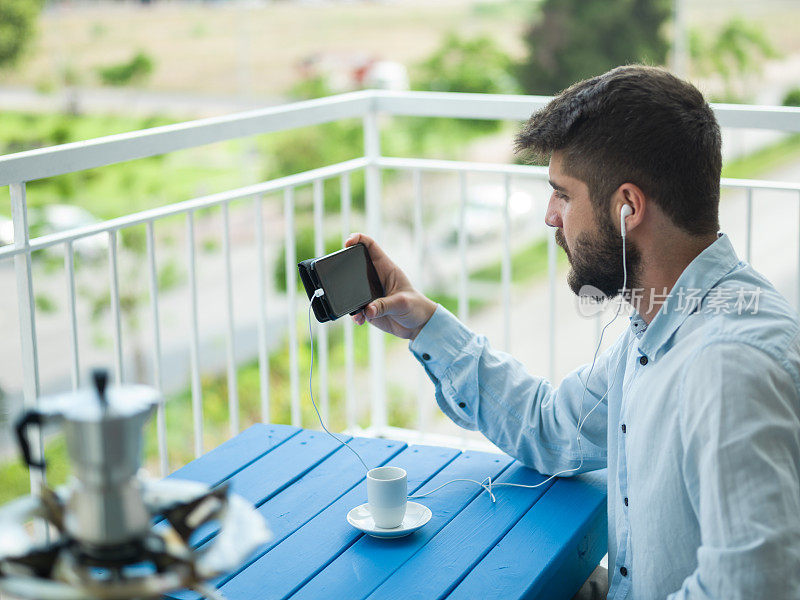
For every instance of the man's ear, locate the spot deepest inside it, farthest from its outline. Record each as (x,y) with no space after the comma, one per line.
(631,195)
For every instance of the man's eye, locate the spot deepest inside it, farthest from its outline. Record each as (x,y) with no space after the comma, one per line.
(560,195)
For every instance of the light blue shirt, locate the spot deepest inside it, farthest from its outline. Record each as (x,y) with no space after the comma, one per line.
(700,431)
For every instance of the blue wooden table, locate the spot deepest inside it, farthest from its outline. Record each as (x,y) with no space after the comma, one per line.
(531,543)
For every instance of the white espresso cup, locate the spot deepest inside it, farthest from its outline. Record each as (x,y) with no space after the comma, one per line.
(387,495)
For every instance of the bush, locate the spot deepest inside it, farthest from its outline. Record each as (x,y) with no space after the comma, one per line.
(136,69)
(304,249)
(792,97)
(471,65)
(310,87)
(312,147)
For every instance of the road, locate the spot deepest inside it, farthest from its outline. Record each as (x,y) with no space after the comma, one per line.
(129,102)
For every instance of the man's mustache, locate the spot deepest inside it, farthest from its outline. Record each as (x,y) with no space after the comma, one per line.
(562,241)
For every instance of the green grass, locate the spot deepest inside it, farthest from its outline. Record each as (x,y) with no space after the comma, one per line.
(764,160)
(451,302)
(124,188)
(527,264)
(14,474)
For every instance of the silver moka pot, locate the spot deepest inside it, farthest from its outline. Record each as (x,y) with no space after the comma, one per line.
(104,509)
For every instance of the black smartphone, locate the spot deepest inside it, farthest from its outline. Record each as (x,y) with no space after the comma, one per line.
(347,278)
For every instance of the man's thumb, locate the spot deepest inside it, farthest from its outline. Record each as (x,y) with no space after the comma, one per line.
(383,306)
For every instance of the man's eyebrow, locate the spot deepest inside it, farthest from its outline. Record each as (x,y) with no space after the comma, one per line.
(555,186)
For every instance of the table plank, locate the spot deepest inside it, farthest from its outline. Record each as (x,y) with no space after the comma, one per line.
(275,471)
(370,561)
(296,505)
(285,464)
(441,564)
(302,555)
(217,465)
(551,551)
(324,485)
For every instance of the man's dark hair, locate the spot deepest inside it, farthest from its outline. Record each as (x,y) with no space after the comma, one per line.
(641,125)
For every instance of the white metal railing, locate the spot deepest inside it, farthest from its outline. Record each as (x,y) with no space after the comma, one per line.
(17,169)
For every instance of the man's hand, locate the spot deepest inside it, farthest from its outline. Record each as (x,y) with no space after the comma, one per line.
(403,311)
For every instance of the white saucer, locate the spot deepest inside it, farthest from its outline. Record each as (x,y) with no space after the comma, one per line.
(416,516)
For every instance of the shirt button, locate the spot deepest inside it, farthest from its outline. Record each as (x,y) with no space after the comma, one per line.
(462,404)
(643,360)
(426,356)
(623,571)
(623,428)
(626,501)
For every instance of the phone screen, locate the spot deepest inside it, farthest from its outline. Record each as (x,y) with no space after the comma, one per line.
(349,279)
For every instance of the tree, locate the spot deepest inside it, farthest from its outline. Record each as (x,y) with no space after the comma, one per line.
(575,39)
(17,26)
(734,53)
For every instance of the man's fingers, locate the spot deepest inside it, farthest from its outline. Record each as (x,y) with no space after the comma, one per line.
(376,253)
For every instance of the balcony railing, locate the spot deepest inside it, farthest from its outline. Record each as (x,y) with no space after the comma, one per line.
(369,106)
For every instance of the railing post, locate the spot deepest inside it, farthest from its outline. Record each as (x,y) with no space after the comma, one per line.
(463,274)
(194,345)
(233,385)
(69,267)
(423,402)
(263,352)
(113,276)
(372,151)
(291,305)
(27,315)
(749,225)
(161,415)
(349,367)
(551,324)
(322,330)
(506,264)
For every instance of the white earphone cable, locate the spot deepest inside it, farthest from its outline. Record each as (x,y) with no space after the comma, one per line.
(311,393)
(487,484)
(581,419)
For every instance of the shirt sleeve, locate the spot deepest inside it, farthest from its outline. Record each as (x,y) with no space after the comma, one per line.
(525,416)
(739,424)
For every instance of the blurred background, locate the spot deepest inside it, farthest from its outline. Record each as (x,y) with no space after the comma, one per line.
(72,71)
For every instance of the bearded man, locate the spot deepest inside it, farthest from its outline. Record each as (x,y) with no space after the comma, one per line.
(697,404)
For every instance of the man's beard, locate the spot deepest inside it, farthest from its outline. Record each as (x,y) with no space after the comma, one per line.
(596,260)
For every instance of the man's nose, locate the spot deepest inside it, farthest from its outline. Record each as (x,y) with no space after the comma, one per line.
(553,217)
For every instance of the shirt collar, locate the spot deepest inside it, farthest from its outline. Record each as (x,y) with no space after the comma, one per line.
(702,274)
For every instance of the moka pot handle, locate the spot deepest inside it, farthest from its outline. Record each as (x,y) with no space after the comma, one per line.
(30,417)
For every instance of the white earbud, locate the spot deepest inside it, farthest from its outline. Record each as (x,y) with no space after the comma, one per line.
(625,212)
(320,292)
